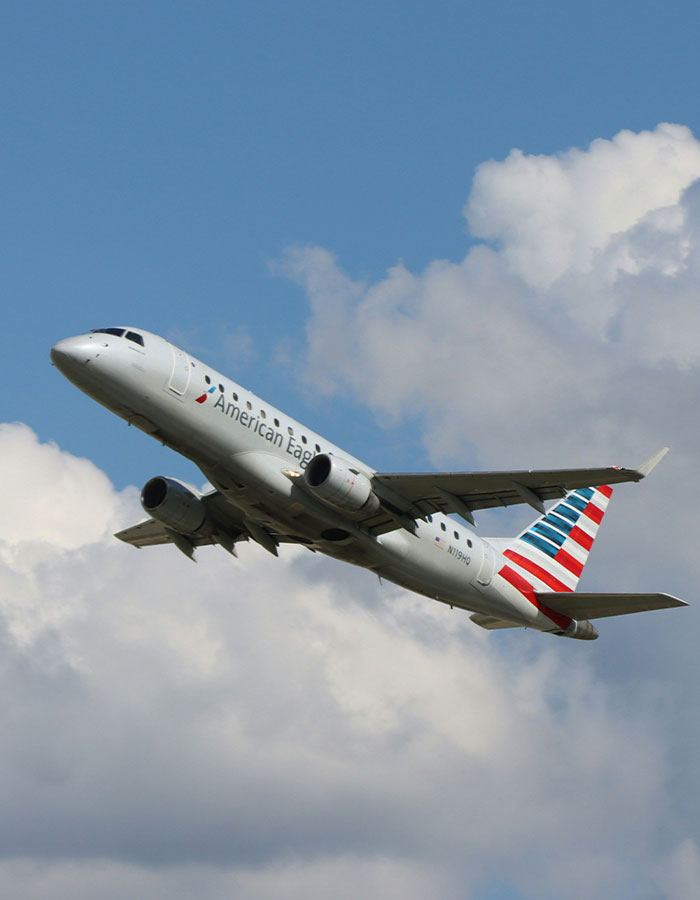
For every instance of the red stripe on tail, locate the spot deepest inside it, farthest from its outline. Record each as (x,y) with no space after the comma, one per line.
(519,583)
(568,561)
(594,513)
(542,574)
(581,537)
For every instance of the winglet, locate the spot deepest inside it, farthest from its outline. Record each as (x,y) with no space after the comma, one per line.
(652,462)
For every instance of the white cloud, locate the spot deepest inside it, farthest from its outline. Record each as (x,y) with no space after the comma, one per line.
(571,339)
(290,729)
(555,214)
(268,728)
(583,317)
(53,483)
(495,370)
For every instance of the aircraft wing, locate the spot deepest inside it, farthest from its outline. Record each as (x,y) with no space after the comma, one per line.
(227,524)
(417,494)
(151,533)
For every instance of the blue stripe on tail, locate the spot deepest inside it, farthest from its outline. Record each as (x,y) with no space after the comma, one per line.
(543,545)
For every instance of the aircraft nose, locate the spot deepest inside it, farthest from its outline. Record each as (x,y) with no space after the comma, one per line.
(71,353)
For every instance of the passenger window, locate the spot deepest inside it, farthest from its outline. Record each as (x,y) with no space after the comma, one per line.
(221,388)
(263,414)
(248,404)
(443,526)
(235,396)
(430,518)
(290,430)
(303,438)
(207,379)
(456,534)
(469,543)
(318,449)
(277,423)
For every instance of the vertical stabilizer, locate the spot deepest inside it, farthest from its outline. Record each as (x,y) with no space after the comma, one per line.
(551,553)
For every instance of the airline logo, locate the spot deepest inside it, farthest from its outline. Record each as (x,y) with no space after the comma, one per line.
(205,395)
(554,549)
(551,553)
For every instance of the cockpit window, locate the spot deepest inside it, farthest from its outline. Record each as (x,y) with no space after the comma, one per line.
(117,331)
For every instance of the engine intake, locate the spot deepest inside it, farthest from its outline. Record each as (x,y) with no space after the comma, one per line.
(338,484)
(174,504)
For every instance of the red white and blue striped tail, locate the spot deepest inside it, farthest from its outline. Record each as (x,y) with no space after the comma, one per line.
(551,553)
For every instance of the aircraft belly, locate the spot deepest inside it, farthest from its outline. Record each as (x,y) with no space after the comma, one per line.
(459,596)
(416,564)
(427,568)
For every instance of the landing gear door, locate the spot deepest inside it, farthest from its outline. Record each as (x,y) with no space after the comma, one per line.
(180,375)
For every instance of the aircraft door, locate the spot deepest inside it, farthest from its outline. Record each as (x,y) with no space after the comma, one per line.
(487,567)
(180,375)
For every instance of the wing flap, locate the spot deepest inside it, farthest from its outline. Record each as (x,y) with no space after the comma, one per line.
(598,606)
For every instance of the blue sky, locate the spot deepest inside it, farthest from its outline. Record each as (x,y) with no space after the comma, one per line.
(324,201)
(156,158)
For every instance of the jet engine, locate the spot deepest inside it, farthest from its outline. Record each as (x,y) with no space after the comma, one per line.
(335,482)
(174,504)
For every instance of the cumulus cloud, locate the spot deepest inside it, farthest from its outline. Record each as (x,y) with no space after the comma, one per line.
(35,507)
(567,336)
(582,312)
(552,215)
(290,728)
(525,354)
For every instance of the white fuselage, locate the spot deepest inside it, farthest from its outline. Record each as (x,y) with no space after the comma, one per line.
(248,450)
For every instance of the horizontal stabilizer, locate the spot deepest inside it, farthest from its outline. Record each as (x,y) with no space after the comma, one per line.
(598,606)
(491,622)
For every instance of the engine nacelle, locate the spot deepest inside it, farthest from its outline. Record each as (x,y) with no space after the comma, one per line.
(335,482)
(174,504)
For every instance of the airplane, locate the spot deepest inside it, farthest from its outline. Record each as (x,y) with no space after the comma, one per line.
(276,481)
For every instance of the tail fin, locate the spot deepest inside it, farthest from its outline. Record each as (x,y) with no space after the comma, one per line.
(553,550)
